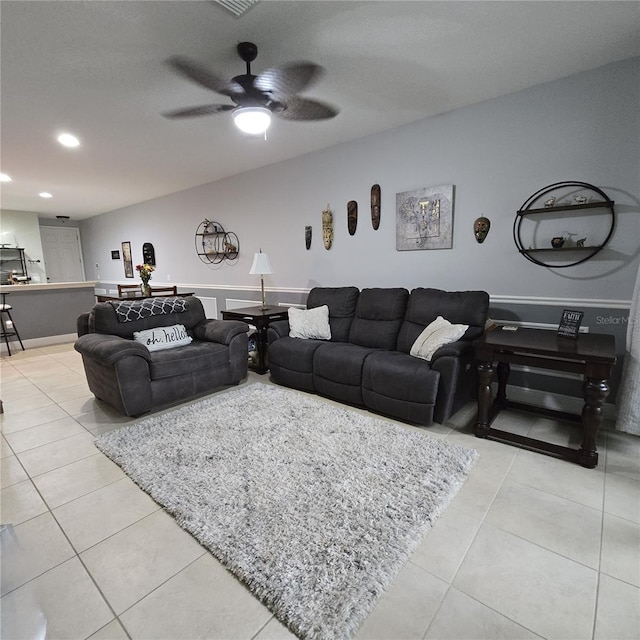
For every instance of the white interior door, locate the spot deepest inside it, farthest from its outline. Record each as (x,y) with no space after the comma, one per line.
(62,254)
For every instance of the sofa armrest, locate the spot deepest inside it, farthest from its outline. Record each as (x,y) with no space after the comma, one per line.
(456,349)
(108,349)
(221,331)
(276,330)
(82,324)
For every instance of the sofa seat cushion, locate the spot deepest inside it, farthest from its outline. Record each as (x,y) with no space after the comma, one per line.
(400,385)
(295,354)
(340,362)
(291,362)
(196,356)
(337,371)
(401,376)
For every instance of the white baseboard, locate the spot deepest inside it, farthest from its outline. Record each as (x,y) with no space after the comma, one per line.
(34,343)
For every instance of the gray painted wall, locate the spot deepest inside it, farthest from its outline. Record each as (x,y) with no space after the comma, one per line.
(495,153)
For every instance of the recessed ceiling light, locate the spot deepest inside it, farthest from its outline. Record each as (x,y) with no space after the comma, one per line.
(5,178)
(45,194)
(68,140)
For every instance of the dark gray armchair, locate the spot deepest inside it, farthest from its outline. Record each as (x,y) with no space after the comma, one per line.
(125,374)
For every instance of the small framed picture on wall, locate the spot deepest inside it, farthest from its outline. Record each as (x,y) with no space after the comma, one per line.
(128,262)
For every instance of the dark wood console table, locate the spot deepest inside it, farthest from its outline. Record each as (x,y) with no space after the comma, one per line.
(592,355)
(260,319)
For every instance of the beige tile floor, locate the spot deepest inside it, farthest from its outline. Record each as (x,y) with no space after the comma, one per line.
(532,547)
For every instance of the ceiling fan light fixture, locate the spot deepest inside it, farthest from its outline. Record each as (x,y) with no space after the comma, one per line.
(68,140)
(252,120)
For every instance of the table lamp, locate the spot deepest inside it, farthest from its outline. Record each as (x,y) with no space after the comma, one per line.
(262,266)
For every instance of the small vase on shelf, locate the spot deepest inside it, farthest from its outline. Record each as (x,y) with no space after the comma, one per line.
(146,289)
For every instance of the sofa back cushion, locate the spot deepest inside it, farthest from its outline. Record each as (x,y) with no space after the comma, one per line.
(458,307)
(342,306)
(379,315)
(103,319)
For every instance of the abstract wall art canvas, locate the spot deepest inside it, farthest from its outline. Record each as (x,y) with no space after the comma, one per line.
(424,218)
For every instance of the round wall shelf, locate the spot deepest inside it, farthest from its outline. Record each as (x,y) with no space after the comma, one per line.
(214,244)
(546,217)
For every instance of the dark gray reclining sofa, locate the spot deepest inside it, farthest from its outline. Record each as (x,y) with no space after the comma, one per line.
(366,362)
(134,380)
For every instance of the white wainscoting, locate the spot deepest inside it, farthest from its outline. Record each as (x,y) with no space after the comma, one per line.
(210,306)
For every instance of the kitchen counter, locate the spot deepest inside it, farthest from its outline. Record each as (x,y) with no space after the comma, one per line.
(46,286)
(45,313)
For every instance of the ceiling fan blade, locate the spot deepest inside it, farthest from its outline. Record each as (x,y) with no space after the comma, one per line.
(205,110)
(200,74)
(306,109)
(286,81)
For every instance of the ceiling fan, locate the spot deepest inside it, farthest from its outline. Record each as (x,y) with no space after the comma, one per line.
(256,98)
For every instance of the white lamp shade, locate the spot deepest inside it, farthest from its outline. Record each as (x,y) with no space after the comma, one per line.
(261,264)
(252,120)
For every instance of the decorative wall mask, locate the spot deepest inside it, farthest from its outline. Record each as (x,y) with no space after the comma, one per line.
(352,216)
(375,206)
(327,227)
(307,237)
(148,254)
(481,228)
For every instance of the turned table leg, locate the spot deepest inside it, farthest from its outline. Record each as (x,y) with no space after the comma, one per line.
(485,374)
(595,393)
(503,371)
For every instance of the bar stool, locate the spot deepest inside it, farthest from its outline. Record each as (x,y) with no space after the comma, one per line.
(7,327)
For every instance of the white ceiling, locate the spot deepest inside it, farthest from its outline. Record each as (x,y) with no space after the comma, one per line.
(96,68)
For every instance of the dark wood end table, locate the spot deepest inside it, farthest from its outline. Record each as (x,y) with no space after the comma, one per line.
(260,319)
(592,355)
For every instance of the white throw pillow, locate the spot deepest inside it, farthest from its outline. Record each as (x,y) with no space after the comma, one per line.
(438,333)
(163,337)
(310,323)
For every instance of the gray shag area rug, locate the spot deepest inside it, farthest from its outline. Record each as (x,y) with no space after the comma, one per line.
(314,507)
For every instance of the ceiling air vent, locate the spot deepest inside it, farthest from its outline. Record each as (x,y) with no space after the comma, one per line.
(237,7)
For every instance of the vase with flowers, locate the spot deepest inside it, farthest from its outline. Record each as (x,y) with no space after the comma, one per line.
(145,271)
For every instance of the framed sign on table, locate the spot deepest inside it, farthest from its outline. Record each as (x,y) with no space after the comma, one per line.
(570,321)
